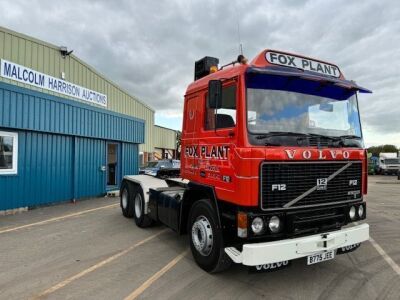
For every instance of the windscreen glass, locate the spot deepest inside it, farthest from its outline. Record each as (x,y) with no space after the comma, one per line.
(308,108)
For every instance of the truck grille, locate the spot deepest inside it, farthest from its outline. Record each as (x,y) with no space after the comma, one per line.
(297,184)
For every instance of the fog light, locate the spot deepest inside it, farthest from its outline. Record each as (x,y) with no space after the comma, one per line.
(352,213)
(274,224)
(257,225)
(360,211)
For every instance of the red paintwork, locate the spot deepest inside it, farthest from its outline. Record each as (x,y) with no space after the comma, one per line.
(243,159)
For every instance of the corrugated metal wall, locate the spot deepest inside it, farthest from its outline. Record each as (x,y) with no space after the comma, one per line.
(164,138)
(22,108)
(46,58)
(53,168)
(62,147)
(130,155)
(44,171)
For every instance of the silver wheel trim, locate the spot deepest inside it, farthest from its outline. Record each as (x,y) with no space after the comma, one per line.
(138,205)
(124,198)
(202,235)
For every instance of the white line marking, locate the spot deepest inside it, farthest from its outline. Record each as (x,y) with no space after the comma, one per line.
(385,256)
(56,218)
(95,267)
(155,277)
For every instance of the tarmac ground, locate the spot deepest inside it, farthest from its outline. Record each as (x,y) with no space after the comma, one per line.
(88,250)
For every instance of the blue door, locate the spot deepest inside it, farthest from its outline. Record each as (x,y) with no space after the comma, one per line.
(90,167)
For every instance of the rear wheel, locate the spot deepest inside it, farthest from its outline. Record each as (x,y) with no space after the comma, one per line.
(206,240)
(126,202)
(141,219)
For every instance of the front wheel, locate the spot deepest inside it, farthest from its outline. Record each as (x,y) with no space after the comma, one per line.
(206,241)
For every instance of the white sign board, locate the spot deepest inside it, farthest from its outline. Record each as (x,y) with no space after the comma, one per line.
(23,74)
(298,62)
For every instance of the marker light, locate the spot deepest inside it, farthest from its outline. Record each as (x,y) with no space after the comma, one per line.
(213,69)
(242,224)
(257,225)
(352,213)
(274,224)
(360,211)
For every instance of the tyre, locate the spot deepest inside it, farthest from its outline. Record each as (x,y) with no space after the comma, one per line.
(141,219)
(206,240)
(126,201)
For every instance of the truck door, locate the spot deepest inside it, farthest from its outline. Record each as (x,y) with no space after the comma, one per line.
(218,141)
(190,142)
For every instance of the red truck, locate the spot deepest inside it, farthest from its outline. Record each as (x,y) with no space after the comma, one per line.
(273,165)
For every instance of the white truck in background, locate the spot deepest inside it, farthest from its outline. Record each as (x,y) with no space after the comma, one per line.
(389,163)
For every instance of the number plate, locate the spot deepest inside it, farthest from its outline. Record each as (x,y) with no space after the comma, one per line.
(319,257)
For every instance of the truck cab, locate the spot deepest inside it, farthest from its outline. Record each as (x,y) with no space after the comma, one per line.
(389,163)
(273,164)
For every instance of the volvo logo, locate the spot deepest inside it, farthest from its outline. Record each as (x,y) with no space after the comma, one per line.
(319,154)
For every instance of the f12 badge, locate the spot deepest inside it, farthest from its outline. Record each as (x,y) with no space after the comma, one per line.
(322,184)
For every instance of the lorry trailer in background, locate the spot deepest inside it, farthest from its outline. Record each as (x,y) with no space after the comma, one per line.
(273,166)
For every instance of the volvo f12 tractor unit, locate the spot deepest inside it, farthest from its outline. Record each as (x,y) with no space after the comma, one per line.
(273,166)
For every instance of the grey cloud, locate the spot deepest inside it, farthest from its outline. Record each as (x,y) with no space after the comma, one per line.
(149,47)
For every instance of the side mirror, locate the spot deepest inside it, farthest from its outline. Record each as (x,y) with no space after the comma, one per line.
(215,94)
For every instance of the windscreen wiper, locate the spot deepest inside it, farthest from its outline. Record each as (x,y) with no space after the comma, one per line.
(299,135)
(280,133)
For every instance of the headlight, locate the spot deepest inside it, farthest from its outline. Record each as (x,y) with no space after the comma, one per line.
(352,213)
(360,211)
(257,225)
(274,224)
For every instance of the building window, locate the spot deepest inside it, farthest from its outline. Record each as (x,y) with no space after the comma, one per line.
(8,153)
(224,117)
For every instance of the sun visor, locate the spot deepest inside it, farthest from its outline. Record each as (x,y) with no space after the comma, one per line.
(301,75)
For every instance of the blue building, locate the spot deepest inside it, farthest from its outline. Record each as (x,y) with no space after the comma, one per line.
(66,132)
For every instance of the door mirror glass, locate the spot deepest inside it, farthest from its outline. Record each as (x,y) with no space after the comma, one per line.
(215,94)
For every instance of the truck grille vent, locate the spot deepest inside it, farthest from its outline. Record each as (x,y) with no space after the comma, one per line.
(282,183)
(317,142)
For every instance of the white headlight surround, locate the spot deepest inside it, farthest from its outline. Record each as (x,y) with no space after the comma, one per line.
(352,213)
(274,224)
(257,226)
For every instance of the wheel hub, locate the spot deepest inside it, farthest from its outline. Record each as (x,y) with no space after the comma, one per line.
(202,235)
(124,198)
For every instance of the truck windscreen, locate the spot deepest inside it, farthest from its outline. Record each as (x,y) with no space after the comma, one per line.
(393,161)
(281,104)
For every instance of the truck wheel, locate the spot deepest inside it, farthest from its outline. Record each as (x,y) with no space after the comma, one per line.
(126,202)
(206,241)
(141,219)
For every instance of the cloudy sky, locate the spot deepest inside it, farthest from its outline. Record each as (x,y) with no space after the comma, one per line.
(149,47)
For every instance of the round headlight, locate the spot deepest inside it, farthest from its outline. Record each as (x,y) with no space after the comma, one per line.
(257,225)
(274,224)
(360,211)
(352,213)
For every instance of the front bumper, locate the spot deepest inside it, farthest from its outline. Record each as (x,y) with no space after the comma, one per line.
(278,251)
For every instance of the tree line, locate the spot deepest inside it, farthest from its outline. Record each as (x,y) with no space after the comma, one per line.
(375,150)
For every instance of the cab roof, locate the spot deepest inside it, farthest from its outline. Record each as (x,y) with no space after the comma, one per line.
(282,64)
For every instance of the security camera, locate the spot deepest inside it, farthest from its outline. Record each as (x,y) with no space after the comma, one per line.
(64,51)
